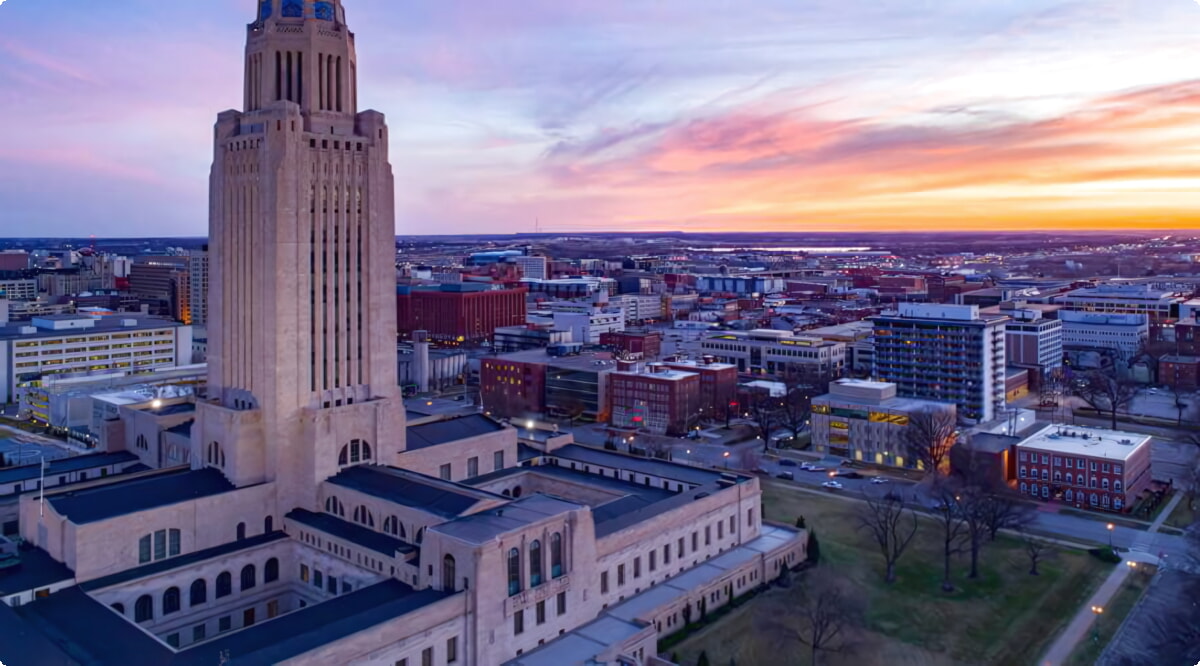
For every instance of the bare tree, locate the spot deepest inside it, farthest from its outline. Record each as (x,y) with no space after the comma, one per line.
(1005,510)
(930,435)
(796,409)
(955,535)
(1104,391)
(1037,549)
(828,617)
(764,409)
(884,518)
(1181,401)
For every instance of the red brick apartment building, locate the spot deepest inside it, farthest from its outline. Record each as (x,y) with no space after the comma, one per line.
(457,314)
(718,385)
(663,401)
(512,389)
(1087,467)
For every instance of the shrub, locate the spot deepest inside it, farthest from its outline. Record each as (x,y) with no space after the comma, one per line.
(703,660)
(814,548)
(1105,555)
(800,522)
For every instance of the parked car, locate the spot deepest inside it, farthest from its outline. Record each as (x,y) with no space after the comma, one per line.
(815,468)
(832,485)
(879,479)
(787,462)
(850,475)
(788,476)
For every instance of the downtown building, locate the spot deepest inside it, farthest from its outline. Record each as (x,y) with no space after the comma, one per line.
(1088,467)
(661,401)
(778,353)
(944,353)
(865,421)
(313,523)
(462,313)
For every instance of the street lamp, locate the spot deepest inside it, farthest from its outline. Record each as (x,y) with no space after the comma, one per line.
(726,456)
(1097,611)
(1110,540)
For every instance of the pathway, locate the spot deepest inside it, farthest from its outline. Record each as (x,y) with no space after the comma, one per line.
(1077,630)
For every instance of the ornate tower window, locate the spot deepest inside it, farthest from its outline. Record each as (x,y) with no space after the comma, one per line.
(323,11)
(293,9)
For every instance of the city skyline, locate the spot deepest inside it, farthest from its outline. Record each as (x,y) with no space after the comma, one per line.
(672,116)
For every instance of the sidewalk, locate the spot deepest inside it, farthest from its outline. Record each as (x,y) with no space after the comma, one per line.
(1077,630)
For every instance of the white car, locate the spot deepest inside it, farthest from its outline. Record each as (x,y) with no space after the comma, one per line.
(832,485)
(815,468)
(879,479)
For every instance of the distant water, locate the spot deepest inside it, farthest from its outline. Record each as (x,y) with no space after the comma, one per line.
(808,250)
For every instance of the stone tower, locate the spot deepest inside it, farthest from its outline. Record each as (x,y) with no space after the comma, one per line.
(302,315)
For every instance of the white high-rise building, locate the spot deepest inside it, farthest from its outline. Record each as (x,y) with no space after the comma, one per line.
(533,267)
(947,353)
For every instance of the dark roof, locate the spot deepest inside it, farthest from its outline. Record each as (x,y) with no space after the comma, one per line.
(37,570)
(435,496)
(90,633)
(184,428)
(181,561)
(367,538)
(660,468)
(450,430)
(88,505)
(64,465)
(177,408)
(484,526)
(991,443)
(25,646)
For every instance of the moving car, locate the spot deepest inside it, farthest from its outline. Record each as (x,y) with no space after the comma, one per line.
(879,479)
(787,476)
(832,485)
(814,468)
(787,462)
(850,475)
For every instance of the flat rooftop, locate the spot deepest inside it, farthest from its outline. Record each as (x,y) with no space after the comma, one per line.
(88,505)
(450,430)
(1085,441)
(588,360)
(111,324)
(482,527)
(65,465)
(37,570)
(441,498)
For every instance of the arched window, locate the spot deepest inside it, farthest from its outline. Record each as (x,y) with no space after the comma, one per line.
(241,531)
(271,571)
(143,610)
(214,455)
(334,507)
(199,592)
(517,491)
(556,565)
(420,534)
(249,577)
(1104,483)
(141,442)
(224,584)
(1070,495)
(363,516)
(402,533)
(448,573)
(119,607)
(1117,486)
(170,602)
(355,452)
(514,571)
(392,526)
(535,563)
(268,525)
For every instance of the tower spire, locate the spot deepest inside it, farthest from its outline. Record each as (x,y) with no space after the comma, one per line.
(301,51)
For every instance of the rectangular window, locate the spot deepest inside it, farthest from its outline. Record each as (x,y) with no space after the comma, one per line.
(173,543)
(637,567)
(620,575)
(444,471)
(318,578)
(402,662)
(198,632)
(427,657)
(331,584)
(472,467)
(695,541)
(452,650)
(160,544)
(653,559)
(304,573)
(679,549)
(519,622)
(225,623)
(173,640)
(731,525)
(603,582)
(562,603)
(144,549)
(707,535)
(498,460)
(667,554)
(541,612)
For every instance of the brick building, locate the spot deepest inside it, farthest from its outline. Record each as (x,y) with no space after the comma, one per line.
(647,344)
(718,386)
(1093,467)
(512,388)
(662,401)
(1180,372)
(455,314)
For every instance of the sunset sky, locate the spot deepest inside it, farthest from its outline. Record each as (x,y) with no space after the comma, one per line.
(607,115)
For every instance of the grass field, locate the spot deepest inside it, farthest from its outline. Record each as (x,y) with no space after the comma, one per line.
(1004,617)
(1110,620)
(1183,516)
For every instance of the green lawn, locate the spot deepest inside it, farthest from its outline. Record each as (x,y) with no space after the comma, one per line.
(1183,516)
(1110,620)
(1004,617)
